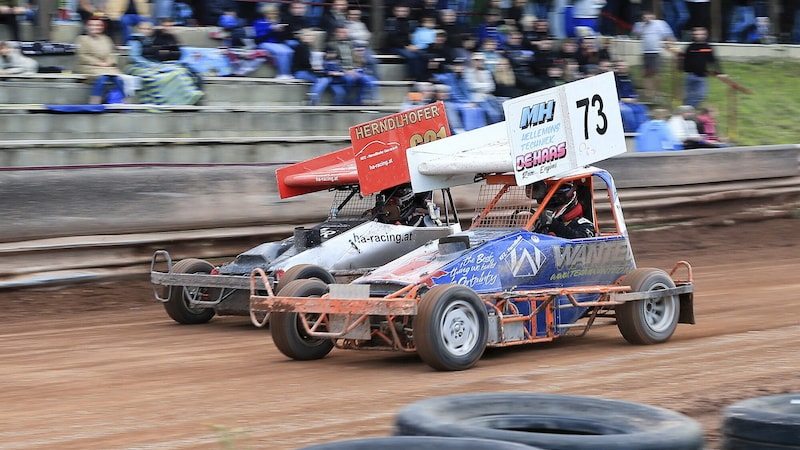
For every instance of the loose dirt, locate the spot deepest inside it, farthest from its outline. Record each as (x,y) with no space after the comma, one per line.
(102,366)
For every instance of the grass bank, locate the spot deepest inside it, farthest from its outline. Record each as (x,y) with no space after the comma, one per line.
(767,116)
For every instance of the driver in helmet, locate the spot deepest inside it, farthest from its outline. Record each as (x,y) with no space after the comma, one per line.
(563,216)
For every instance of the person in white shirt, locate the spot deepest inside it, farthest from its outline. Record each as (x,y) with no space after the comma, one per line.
(655,35)
(684,128)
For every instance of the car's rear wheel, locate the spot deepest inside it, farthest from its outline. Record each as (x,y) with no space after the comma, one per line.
(450,330)
(652,320)
(288,333)
(179,306)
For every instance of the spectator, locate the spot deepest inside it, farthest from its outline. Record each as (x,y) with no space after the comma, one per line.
(363,79)
(334,17)
(491,28)
(588,58)
(136,11)
(451,108)
(743,23)
(655,135)
(9,10)
(422,93)
(269,34)
(425,8)
(505,82)
(481,84)
(216,8)
(438,57)
(683,126)
(398,41)
(471,114)
(13,62)
(523,64)
(425,34)
(675,14)
(333,70)
(448,22)
(699,14)
(698,61)
(513,14)
(357,30)
(654,33)
(152,55)
(97,58)
(633,113)
(707,125)
(99,8)
(296,21)
(306,67)
(585,15)
(233,28)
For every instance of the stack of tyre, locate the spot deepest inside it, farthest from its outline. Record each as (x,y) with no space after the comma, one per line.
(548,421)
(762,423)
(500,421)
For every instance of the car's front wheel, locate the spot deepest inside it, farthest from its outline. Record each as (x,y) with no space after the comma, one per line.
(288,332)
(450,330)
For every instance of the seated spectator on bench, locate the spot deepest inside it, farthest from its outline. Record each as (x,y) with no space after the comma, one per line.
(633,113)
(9,10)
(97,58)
(153,57)
(13,62)
(655,135)
(270,34)
(306,67)
(684,128)
(398,30)
(707,125)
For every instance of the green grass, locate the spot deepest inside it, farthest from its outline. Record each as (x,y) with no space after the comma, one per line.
(767,116)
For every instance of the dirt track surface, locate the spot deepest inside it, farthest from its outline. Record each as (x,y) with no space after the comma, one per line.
(102,366)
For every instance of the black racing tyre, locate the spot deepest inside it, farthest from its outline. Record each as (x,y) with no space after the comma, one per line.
(304,271)
(555,422)
(772,419)
(732,443)
(419,443)
(177,306)
(287,330)
(451,327)
(649,321)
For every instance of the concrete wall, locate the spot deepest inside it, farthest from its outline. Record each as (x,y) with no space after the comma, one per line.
(115,199)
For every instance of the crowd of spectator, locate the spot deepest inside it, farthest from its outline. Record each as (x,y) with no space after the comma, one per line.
(472,60)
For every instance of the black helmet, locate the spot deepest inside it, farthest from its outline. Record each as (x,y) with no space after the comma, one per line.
(564,199)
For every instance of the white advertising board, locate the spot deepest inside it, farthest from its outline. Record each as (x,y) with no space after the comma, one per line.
(559,129)
(545,134)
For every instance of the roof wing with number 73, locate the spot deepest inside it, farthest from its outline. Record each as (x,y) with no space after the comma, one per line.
(545,134)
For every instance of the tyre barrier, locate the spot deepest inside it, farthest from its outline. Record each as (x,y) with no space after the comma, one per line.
(419,443)
(762,423)
(555,422)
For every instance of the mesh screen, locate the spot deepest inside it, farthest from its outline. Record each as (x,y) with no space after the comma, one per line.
(512,209)
(355,207)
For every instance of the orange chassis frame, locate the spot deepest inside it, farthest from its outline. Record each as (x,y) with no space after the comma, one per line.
(404,302)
